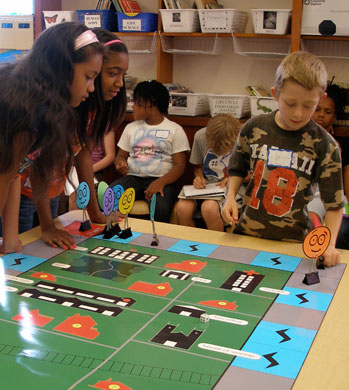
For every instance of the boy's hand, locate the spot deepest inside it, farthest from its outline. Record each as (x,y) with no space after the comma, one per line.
(122,167)
(57,237)
(223,183)
(155,187)
(230,212)
(331,256)
(199,182)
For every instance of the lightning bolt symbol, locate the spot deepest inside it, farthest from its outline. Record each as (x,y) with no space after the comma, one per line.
(301,297)
(275,260)
(269,357)
(283,334)
(18,261)
(193,248)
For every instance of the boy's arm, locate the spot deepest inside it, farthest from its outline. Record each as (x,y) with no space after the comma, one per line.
(83,165)
(199,178)
(333,219)
(230,212)
(346,181)
(177,170)
(109,148)
(121,162)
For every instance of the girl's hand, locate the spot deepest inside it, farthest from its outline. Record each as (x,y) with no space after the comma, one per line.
(11,246)
(223,183)
(58,238)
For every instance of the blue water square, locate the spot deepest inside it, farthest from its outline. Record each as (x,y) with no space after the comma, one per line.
(118,239)
(283,336)
(193,248)
(273,360)
(20,262)
(306,299)
(276,261)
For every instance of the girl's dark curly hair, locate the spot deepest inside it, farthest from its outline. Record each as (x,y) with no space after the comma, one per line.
(35,101)
(109,114)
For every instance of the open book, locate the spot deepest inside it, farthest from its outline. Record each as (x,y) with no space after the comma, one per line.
(211,191)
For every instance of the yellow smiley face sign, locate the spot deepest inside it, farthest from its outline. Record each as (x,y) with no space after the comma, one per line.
(316,242)
(126,201)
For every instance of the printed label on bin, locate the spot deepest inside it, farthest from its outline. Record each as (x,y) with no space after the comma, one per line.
(133,25)
(92,21)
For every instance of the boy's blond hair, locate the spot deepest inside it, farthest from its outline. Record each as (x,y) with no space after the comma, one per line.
(304,68)
(221,133)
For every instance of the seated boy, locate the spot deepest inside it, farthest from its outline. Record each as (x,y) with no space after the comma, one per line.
(286,152)
(210,155)
(152,150)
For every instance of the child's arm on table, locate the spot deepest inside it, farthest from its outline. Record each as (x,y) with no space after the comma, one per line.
(333,219)
(109,148)
(83,165)
(171,176)
(10,214)
(199,178)
(50,233)
(230,212)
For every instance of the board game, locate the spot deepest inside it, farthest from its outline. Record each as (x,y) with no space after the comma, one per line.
(121,314)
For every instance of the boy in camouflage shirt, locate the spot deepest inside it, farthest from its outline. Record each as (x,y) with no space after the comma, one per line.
(286,152)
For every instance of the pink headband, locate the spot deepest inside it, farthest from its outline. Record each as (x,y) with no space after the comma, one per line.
(114,41)
(84,39)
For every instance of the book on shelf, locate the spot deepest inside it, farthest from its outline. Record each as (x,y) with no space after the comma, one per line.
(202,4)
(255,90)
(170,4)
(129,6)
(211,191)
(185,4)
(117,6)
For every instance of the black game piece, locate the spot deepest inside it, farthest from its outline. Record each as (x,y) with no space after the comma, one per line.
(311,278)
(125,233)
(85,225)
(320,263)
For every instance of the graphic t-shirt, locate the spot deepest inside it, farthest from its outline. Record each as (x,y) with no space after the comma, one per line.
(151,148)
(283,166)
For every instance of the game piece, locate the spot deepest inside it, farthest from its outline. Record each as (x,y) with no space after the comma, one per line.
(126,202)
(155,241)
(204,317)
(314,246)
(101,188)
(118,191)
(108,205)
(82,200)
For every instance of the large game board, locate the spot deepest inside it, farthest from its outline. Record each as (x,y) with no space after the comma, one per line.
(122,314)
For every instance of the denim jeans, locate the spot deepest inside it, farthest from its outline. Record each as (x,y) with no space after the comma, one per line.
(27,213)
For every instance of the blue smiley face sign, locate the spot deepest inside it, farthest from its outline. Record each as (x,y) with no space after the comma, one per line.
(83,195)
(118,191)
(108,201)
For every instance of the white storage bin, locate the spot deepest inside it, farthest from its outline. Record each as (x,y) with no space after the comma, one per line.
(222,20)
(262,105)
(271,21)
(272,47)
(180,20)
(191,45)
(188,104)
(55,17)
(237,105)
(16,32)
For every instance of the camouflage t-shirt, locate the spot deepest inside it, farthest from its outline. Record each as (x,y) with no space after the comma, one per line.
(283,165)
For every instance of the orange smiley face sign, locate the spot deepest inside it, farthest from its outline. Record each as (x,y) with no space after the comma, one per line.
(316,242)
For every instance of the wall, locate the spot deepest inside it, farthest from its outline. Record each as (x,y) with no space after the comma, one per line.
(226,73)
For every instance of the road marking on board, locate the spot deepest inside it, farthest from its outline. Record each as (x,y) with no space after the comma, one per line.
(229,351)
(201,280)
(274,291)
(227,319)
(60,265)
(17,279)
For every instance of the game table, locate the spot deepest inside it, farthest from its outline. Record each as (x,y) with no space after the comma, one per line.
(326,356)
